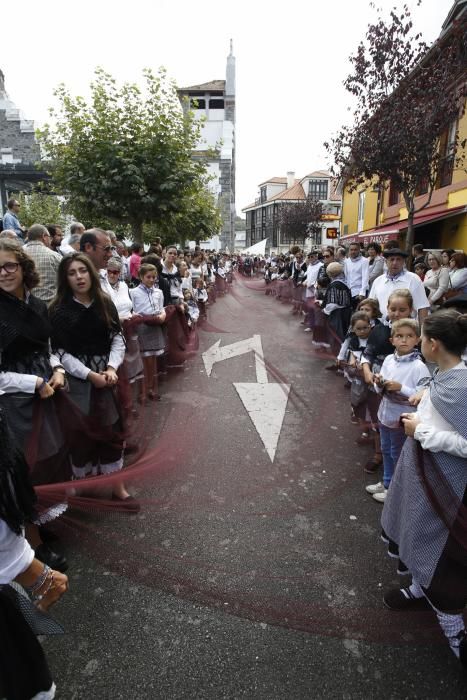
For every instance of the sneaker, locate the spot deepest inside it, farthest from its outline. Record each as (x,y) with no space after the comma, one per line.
(375,488)
(307,330)
(403,599)
(332,367)
(380,496)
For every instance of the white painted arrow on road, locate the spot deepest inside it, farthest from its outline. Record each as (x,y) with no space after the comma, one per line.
(265,403)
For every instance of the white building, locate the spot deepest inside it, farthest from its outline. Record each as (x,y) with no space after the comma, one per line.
(263,215)
(215,102)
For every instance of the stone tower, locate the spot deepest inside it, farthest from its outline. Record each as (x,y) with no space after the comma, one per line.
(215,101)
(19,151)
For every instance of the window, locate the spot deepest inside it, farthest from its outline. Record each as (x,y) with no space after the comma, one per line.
(197,104)
(318,189)
(216,104)
(361,211)
(393,195)
(316,238)
(263,194)
(447,151)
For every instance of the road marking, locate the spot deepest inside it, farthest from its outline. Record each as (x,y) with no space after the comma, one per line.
(265,403)
(217,354)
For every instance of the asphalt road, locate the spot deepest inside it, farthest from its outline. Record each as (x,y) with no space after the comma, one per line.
(242,577)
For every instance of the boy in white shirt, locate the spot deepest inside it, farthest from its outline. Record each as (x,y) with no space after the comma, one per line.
(400,375)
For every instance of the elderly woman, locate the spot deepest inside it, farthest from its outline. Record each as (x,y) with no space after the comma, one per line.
(436,280)
(120,295)
(337,308)
(458,273)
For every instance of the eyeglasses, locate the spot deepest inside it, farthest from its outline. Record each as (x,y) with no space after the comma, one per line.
(107,248)
(9,267)
(113,272)
(326,256)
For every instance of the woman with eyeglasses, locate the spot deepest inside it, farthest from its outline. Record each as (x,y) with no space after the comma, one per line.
(30,376)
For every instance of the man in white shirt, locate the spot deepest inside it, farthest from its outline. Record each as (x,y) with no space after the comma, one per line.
(397,277)
(356,270)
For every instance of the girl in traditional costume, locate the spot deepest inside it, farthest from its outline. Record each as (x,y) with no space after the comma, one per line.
(148,302)
(425,513)
(29,377)
(87,337)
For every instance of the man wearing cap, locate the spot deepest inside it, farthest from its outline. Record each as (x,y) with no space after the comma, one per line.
(398,277)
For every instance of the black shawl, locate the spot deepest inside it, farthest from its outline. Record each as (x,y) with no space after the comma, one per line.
(24,329)
(81,331)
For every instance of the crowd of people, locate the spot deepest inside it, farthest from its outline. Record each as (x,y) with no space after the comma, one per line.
(398,337)
(88,324)
(86,327)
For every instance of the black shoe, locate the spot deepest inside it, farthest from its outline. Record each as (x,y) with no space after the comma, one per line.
(51,558)
(463,648)
(129,504)
(397,599)
(372,465)
(48,535)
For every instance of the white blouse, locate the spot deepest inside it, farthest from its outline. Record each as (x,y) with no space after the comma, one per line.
(16,554)
(436,434)
(148,301)
(120,295)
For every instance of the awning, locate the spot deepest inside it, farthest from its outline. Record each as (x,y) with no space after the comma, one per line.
(257,248)
(383,234)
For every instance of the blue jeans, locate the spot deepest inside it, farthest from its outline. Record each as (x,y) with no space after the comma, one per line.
(392,441)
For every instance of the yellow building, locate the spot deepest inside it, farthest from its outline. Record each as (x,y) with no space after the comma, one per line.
(379,214)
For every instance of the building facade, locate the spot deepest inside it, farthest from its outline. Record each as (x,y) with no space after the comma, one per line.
(19,150)
(375,213)
(215,103)
(263,215)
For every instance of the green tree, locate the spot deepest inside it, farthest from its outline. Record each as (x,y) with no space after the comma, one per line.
(40,208)
(198,219)
(124,157)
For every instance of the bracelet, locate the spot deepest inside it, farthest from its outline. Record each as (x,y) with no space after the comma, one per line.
(40,580)
(41,596)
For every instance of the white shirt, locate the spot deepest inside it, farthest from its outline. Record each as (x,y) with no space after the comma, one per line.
(384,286)
(312,272)
(409,373)
(458,279)
(120,295)
(356,272)
(148,301)
(15,554)
(436,434)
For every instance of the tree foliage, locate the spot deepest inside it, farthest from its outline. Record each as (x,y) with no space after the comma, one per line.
(198,219)
(300,220)
(407,99)
(41,208)
(124,157)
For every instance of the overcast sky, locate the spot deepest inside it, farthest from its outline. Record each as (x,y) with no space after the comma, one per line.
(291,60)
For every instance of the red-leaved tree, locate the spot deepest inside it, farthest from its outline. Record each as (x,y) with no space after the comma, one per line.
(300,220)
(409,99)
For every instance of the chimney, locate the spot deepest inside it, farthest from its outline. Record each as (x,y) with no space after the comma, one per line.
(290,178)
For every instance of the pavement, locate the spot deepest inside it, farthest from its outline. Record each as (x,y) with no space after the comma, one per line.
(243,577)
